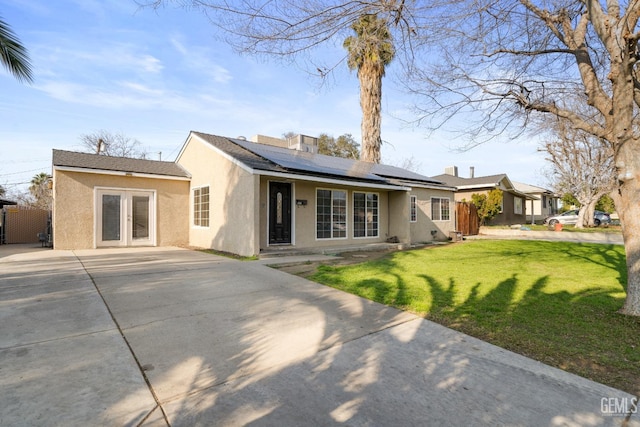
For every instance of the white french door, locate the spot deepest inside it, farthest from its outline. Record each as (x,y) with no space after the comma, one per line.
(125,217)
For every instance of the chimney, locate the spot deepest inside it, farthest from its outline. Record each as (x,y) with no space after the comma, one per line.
(472,172)
(451,170)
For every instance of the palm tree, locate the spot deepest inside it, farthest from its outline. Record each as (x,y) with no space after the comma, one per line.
(39,189)
(370,51)
(13,55)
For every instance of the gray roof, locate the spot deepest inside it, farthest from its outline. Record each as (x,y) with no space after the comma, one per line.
(530,189)
(248,158)
(277,159)
(481,181)
(5,202)
(74,159)
(309,162)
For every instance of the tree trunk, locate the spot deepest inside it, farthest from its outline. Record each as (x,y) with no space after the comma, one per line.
(590,211)
(581,216)
(370,76)
(620,121)
(627,200)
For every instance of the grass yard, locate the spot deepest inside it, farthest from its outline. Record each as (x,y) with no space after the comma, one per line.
(555,302)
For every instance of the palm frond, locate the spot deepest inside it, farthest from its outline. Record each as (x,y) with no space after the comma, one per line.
(14,55)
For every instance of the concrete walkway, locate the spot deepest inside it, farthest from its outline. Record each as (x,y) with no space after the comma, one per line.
(166,336)
(565,236)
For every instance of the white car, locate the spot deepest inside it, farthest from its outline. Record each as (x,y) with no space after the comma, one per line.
(571,217)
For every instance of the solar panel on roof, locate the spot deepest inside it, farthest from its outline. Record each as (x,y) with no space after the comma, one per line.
(396,172)
(308,162)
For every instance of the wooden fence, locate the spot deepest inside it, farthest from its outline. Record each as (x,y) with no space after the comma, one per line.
(468,221)
(21,224)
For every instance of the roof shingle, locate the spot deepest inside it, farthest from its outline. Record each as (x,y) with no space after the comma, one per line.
(74,159)
(278,159)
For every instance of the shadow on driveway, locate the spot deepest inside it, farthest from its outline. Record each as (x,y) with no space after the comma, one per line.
(224,342)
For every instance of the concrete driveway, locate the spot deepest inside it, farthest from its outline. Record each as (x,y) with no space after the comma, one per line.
(166,336)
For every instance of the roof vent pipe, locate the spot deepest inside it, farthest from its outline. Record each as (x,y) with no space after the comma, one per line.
(471,172)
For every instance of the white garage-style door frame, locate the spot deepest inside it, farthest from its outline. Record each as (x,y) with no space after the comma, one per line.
(125,217)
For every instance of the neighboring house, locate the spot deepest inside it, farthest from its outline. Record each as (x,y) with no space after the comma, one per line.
(513,201)
(244,197)
(543,202)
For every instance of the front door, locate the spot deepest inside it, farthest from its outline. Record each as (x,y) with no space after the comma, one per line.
(279,213)
(125,218)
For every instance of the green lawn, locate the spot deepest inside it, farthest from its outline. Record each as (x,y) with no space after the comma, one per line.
(556,302)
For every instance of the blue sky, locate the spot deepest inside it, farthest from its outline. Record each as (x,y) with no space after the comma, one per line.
(156,75)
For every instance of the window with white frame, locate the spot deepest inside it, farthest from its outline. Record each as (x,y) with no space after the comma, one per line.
(331,214)
(365,214)
(517,205)
(413,209)
(440,209)
(201,206)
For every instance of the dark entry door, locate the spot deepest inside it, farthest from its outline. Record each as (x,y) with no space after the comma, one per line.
(279,213)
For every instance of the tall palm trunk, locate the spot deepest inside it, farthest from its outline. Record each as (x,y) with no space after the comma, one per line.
(370,51)
(370,76)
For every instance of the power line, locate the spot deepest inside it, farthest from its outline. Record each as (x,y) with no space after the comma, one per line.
(16,173)
(14,184)
(12,162)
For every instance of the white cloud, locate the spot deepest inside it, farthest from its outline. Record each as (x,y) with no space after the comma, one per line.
(199,59)
(140,88)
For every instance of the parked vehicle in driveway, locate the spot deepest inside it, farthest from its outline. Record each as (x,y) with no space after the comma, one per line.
(571,218)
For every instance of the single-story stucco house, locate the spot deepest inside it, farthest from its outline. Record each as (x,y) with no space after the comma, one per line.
(543,202)
(514,207)
(243,197)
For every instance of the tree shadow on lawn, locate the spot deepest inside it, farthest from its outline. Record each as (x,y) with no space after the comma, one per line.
(604,255)
(579,332)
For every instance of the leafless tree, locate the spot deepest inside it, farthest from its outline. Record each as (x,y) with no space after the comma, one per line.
(582,165)
(408,163)
(113,144)
(292,30)
(514,61)
(508,60)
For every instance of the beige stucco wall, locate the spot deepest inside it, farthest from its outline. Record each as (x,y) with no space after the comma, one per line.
(424,225)
(304,217)
(393,215)
(233,203)
(399,216)
(74,201)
